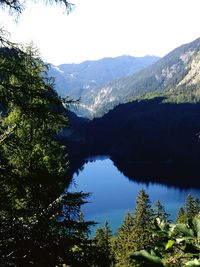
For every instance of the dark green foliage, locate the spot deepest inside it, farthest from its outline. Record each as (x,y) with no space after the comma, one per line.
(180,248)
(196,205)
(135,232)
(181,216)
(151,136)
(33,114)
(166,244)
(146,259)
(123,244)
(102,241)
(142,222)
(159,211)
(41,238)
(191,206)
(176,245)
(39,224)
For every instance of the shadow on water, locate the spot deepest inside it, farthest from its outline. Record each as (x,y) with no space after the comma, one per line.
(113,194)
(168,173)
(148,141)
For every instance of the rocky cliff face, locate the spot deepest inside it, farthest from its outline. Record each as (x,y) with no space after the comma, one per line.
(180,69)
(103,84)
(80,81)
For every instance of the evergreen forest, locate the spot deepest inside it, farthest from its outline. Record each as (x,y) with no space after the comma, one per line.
(41,223)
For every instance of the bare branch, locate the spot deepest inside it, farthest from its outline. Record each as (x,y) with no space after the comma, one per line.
(18,6)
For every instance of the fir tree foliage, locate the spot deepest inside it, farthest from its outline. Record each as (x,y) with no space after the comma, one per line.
(103,246)
(39,224)
(181,246)
(159,211)
(142,221)
(32,113)
(135,232)
(191,206)
(123,244)
(175,244)
(181,216)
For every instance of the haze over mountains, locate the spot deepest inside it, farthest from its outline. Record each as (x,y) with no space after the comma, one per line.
(82,80)
(149,119)
(103,84)
(154,126)
(177,71)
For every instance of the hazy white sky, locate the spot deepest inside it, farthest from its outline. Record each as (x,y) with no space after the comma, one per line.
(106,28)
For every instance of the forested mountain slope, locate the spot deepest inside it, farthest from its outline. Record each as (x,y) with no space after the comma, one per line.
(82,80)
(143,138)
(176,72)
(159,120)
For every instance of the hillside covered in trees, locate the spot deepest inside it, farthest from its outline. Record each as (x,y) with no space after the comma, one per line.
(147,237)
(81,81)
(41,223)
(177,73)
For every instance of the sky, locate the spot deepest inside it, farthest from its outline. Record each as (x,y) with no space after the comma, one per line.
(105,28)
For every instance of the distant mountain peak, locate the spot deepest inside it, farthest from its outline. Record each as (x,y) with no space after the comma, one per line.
(82,80)
(103,84)
(177,70)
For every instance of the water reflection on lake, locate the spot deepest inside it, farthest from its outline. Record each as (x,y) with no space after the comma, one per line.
(113,194)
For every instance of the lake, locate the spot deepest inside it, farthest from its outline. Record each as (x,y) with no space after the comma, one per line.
(113,194)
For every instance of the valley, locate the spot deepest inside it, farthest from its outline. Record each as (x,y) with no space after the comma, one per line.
(86,81)
(153,135)
(99,159)
(115,81)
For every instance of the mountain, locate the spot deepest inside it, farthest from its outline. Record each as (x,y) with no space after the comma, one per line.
(178,70)
(82,80)
(148,140)
(154,125)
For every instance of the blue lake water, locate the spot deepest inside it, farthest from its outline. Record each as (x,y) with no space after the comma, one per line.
(113,194)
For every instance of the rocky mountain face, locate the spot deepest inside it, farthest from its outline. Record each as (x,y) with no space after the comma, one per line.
(177,71)
(83,81)
(152,120)
(101,85)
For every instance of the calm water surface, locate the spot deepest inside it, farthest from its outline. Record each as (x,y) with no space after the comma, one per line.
(113,194)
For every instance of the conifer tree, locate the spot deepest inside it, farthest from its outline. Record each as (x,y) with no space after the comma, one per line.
(191,206)
(38,225)
(181,216)
(123,244)
(159,212)
(142,222)
(103,246)
(108,232)
(196,205)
